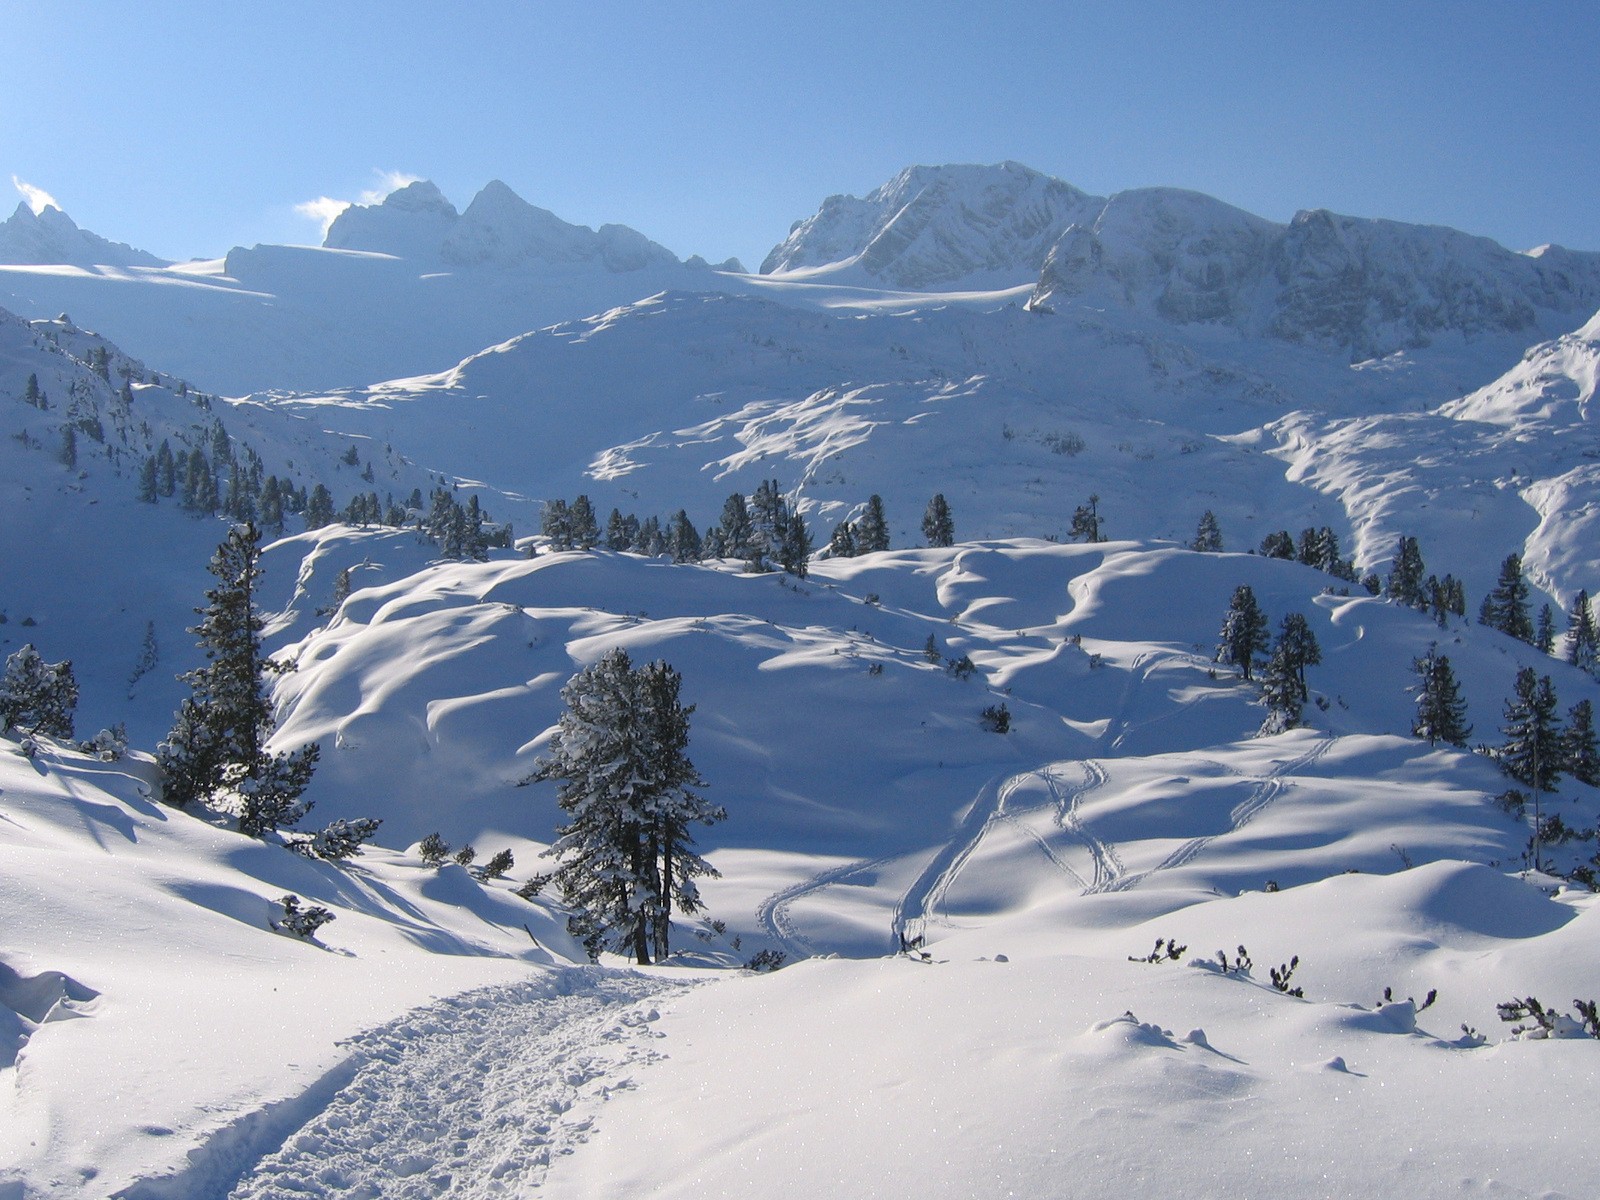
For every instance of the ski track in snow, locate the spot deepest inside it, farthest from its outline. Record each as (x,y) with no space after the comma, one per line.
(928,890)
(1266,790)
(773,912)
(472,1096)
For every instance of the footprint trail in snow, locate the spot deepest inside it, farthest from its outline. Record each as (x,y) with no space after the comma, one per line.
(472,1096)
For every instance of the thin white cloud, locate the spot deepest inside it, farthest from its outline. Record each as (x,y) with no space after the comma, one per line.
(388,181)
(322,210)
(38,199)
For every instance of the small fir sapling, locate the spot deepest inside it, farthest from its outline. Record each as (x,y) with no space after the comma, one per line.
(109,745)
(961,668)
(340,840)
(433,850)
(1281,975)
(302,922)
(465,855)
(1167,950)
(1388,998)
(996,718)
(1240,965)
(532,886)
(498,865)
(766,960)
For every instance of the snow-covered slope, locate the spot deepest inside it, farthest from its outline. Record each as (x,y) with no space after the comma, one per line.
(51,237)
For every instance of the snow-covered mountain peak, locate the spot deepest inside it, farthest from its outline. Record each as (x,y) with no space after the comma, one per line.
(501,229)
(50,237)
(933,227)
(410,222)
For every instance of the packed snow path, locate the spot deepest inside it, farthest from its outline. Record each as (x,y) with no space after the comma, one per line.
(472,1096)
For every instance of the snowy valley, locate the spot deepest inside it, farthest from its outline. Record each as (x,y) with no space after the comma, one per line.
(968,787)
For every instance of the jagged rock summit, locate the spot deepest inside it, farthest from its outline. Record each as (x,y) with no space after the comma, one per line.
(50,238)
(932,227)
(499,229)
(1368,288)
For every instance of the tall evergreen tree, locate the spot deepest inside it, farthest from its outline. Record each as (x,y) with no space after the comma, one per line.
(1583,642)
(795,549)
(217,746)
(555,522)
(319,508)
(938,526)
(1405,582)
(871,527)
(148,491)
(735,523)
(1441,712)
(585,526)
(271,514)
(1581,753)
(1506,607)
(842,542)
(1244,632)
(1533,752)
(683,543)
(1299,648)
(618,536)
(625,781)
(1544,630)
(1282,691)
(166,469)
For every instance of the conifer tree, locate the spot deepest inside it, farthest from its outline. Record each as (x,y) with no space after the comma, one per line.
(271,508)
(1405,582)
(147,480)
(37,697)
(474,541)
(69,447)
(795,549)
(683,543)
(1207,534)
(32,394)
(713,544)
(625,781)
(1506,607)
(872,528)
(166,470)
(1282,691)
(938,526)
(1581,756)
(1441,712)
(618,536)
(1086,522)
(1244,632)
(217,747)
(555,522)
(585,527)
(319,508)
(1278,545)
(842,543)
(1583,643)
(1298,645)
(735,523)
(1544,630)
(1533,751)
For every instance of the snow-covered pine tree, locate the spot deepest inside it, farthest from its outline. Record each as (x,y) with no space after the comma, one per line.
(842,542)
(474,541)
(1583,642)
(735,523)
(1441,712)
(938,526)
(37,697)
(1506,606)
(218,741)
(1405,582)
(1544,630)
(1533,752)
(618,536)
(1207,534)
(1278,545)
(794,550)
(1281,690)
(166,469)
(683,543)
(319,508)
(872,527)
(585,526)
(1581,752)
(1298,645)
(626,783)
(1244,632)
(555,522)
(1086,522)
(673,805)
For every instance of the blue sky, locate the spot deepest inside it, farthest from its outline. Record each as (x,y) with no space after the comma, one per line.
(186,128)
